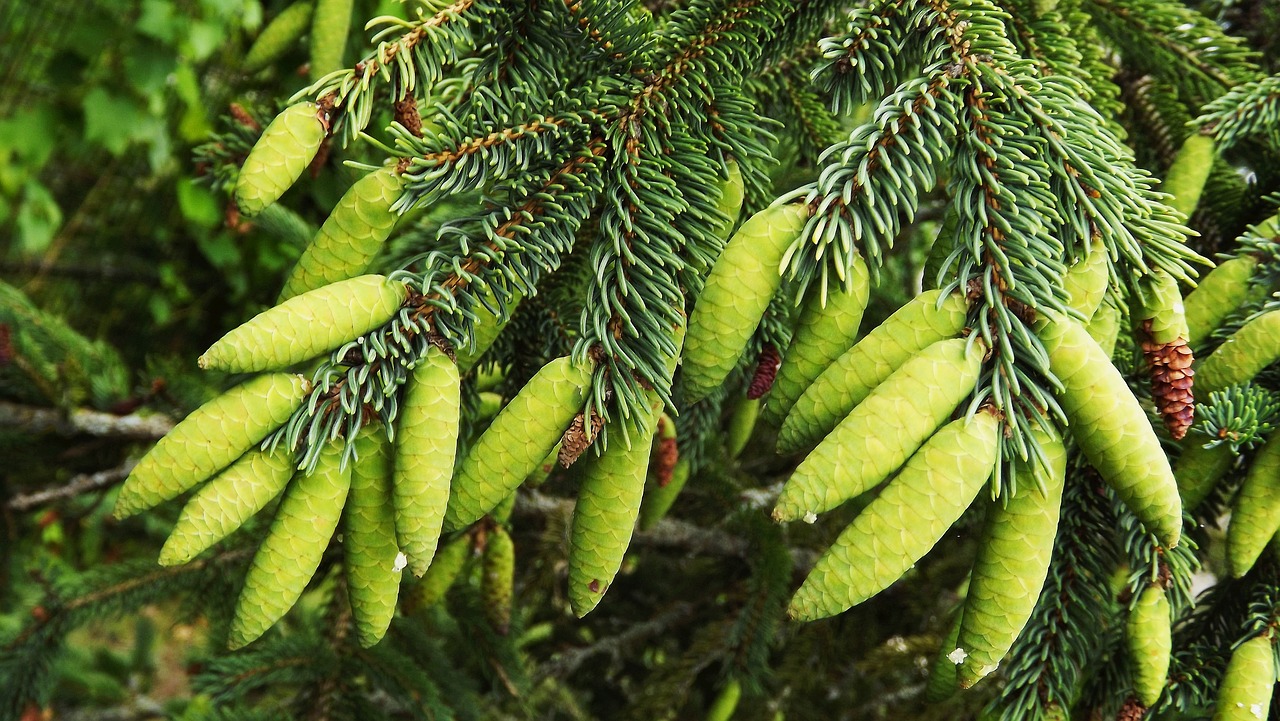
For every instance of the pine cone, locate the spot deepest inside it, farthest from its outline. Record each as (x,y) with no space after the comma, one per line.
(577,440)
(766,371)
(1133,710)
(1171,381)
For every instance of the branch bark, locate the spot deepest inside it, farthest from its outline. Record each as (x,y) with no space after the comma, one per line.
(83,421)
(83,483)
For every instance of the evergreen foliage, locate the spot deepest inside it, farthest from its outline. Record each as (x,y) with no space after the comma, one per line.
(559,181)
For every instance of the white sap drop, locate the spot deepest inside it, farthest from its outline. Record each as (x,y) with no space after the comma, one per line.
(810,517)
(958,656)
(400,562)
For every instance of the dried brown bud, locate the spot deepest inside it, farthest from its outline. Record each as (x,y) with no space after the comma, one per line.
(766,372)
(665,457)
(243,117)
(1171,381)
(577,439)
(408,116)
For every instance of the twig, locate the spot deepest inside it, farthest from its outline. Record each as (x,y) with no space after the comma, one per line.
(82,483)
(34,419)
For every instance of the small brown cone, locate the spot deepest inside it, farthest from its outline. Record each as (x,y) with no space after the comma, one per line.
(1171,381)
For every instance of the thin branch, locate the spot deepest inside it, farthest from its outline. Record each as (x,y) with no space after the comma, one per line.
(83,483)
(83,421)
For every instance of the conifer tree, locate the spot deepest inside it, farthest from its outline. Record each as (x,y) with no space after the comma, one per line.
(839,302)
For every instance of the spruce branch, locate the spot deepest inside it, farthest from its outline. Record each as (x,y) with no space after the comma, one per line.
(1240,417)
(488,262)
(872,178)
(613,31)
(1174,42)
(1250,110)
(410,54)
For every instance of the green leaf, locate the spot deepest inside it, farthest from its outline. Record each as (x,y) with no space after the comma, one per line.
(111,121)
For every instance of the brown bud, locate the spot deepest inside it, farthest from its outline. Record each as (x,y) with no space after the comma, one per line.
(577,439)
(407,114)
(766,372)
(665,457)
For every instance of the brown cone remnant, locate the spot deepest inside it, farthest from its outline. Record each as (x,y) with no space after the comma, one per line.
(577,440)
(1171,381)
(766,371)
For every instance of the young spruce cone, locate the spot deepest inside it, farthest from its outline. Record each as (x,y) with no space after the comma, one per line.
(1171,381)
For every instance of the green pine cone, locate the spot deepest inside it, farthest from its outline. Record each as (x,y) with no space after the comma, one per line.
(605,514)
(1112,429)
(210,439)
(277,160)
(659,499)
(851,377)
(440,575)
(511,448)
(1188,173)
(279,34)
(329,27)
(307,325)
(1198,470)
(498,579)
(942,683)
(1245,692)
(369,538)
(1104,328)
(1163,306)
(226,502)
(426,443)
(1242,356)
(1012,563)
(1150,634)
(609,501)
(726,702)
(732,192)
(351,237)
(882,432)
(487,328)
(905,521)
(735,297)
(824,333)
(741,424)
(1219,293)
(1086,281)
(291,552)
(1255,513)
